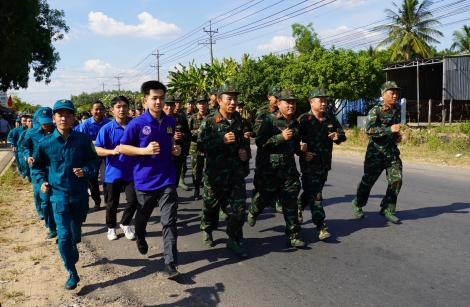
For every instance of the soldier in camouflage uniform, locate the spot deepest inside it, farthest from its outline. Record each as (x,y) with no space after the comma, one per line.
(138,109)
(273,94)
(247,132)
(189,109)
(383,129)
(318,130)
(178,104)
(182,137)
(180,111)
(278,140)
(221,139)
(197,157)
(213,97)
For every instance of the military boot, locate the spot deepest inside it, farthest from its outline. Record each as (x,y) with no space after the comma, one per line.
(323,233)
(390,216)
(196,194)
(182,185)
(73,280)
(235,246)
(293,241)
(222,215)
(278,206)
(357,210)
(207,238)
(300,213)
(251,220)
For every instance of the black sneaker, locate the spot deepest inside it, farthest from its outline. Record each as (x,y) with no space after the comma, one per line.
(142,246)
(97,207)
(170,272)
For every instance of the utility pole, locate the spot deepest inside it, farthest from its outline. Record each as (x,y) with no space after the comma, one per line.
(103,86)
(118,85)
(158,55)
(211,41)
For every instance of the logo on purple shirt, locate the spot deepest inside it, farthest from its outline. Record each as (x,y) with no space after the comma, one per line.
(146,130)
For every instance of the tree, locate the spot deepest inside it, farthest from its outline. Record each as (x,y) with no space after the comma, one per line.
(461,40)
(306,39)
(255,76)
(410,31)
(22,106)
(27,30)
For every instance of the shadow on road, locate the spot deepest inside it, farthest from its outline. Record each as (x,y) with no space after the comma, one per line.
(427,212)
(195,297)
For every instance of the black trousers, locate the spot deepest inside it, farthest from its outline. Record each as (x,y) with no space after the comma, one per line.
(167,199)
(113,194)
(94,185)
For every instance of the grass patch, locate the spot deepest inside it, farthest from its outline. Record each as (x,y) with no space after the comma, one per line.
(37,257)
(5,240)
(18,248)
(10,181)
(12,294)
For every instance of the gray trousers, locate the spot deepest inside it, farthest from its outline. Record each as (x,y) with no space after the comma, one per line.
(167,199)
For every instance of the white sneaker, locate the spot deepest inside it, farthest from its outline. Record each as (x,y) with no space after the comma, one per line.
(112,234)
(128,232)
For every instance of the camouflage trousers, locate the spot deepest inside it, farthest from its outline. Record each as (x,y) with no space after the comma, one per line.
(312,184)
(219,196)
(180,164)
(197,163)
(270,187)
(372,171)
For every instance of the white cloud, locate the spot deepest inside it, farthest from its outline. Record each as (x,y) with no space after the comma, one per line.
(99,67)
(148,28)
(278,43)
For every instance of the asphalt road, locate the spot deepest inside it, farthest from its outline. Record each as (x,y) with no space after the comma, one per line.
(424,261)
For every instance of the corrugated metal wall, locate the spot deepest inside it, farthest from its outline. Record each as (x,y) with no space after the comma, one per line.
(456,78)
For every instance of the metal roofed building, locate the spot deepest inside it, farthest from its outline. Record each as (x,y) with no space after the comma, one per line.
(443,80)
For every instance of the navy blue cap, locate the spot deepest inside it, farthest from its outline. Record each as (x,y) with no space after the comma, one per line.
(63,104)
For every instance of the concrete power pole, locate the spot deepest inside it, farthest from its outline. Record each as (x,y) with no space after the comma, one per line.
(158,55)
(119,84)
(211,41)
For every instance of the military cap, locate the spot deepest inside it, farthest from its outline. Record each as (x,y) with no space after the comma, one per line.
(44,115)
(138,106)
(202,98)
(287,94)
(63,104)
(177,96)
(241,104)
(274,91)
(190,100)
(18,120)
(317,92)
(389,85)
(213,91)
(170,99)
(227,88)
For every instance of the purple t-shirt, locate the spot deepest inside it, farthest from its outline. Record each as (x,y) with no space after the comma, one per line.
(155,171)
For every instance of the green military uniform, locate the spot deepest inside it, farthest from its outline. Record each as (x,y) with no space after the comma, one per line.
(247,127)
(277,172)
(138,106)
(182,127)
(197,157)
(212,109)
(224,180)
(382,154)
(261,113)
(186,112)
(314,132)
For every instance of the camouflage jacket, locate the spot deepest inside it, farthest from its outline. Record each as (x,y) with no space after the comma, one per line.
(188,115)
(260,115)
(275,155)
(247,128)
(382,142)
(211,109)
(183,127)
(222,162)
(195,122)
(315,134)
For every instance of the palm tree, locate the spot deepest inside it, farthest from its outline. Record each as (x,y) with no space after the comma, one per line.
(461,40)
(411,30)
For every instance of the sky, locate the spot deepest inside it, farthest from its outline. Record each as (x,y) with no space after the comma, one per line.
(116,38)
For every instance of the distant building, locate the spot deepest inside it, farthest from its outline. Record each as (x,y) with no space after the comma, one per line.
(3,99)
(442,80)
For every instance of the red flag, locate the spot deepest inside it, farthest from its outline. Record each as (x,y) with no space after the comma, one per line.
(10,101)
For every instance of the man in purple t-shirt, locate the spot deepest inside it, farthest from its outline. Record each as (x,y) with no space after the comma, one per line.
(150,139)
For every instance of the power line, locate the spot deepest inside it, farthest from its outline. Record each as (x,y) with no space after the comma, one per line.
(210,42)
(119,83)
(158,55)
